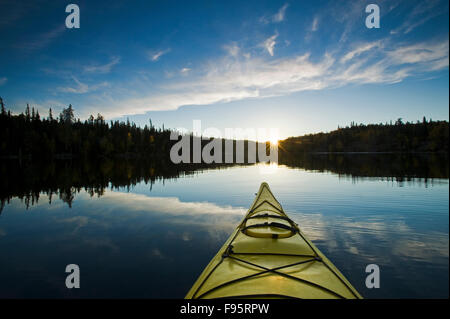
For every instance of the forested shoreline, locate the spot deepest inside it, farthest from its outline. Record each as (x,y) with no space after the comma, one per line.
(97,155)
(425,136)
(31,136)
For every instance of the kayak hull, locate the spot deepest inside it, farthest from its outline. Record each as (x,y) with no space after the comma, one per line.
(267,256)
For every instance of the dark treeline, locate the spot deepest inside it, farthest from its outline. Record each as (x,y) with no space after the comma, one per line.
(423,136)
(33,137)
(30,135)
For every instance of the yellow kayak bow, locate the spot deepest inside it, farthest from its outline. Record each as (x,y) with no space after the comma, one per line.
(267,256)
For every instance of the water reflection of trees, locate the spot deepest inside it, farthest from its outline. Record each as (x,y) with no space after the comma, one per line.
(394,166)
(65,178)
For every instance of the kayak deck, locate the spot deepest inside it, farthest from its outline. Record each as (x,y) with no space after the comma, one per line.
(267,256)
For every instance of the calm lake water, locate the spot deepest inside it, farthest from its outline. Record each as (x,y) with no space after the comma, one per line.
(152,239)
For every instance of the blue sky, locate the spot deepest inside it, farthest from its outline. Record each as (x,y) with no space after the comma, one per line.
(299,66)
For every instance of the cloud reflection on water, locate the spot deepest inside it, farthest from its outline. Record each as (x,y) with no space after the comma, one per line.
(368,238)
(129,231)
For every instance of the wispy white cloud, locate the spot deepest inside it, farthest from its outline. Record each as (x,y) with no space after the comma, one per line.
(105,68)
(269,44)
(259,74)
(423,12)
(42,40)
(185,71)
(231,78)
(156,55)
(359,50)
(420,53)
(232,49)
(3,80)
(348,14)
(396,64)
(315,24)
(279,16)
(364,72)
(438,64)
(314,27)
(81,88)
